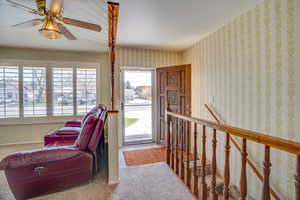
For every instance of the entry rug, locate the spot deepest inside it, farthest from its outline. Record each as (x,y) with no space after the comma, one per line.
(144,156)
(147,156)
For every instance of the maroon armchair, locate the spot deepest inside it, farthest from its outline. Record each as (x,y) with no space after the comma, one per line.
(53,168)
(78,123)
(69,133)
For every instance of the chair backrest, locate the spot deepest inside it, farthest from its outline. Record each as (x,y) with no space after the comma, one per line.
(94,141)
(86,131)
(92,111)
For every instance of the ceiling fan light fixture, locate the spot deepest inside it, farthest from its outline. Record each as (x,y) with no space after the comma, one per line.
(50,30)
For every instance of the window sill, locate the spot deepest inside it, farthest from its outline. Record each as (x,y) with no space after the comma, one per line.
(35,120)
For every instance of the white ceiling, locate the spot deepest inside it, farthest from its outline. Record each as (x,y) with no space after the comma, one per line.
(159,24)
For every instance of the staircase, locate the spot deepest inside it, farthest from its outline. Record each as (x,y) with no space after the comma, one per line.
(199,172)
(196,176)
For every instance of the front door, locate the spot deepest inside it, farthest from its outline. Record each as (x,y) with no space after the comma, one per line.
(137,106)
(173,89)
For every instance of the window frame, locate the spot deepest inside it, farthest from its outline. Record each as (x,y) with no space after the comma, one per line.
(17,77)
(49,118)
(21,91)
(73,94)
(76,87)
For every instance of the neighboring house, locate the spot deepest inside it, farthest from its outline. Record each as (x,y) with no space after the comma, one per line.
(130,94)
(144,92)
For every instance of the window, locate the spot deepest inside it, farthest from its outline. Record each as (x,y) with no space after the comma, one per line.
(34,92)
(86,90)
(9,92)
(62,95)
(29,92)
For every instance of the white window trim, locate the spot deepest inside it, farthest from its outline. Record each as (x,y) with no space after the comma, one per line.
(49,119)
(21,103)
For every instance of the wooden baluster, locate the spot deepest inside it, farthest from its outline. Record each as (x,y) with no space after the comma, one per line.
(172,143)
(177,146)
(226,169)
(243,180)
(214,195)
(266,183)
(297,179)
(188,172)
(175,142)
(203,166)
(168,140)
(195,161)
(182,151)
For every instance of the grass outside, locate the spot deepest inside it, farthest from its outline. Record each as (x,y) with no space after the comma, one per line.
(130,121)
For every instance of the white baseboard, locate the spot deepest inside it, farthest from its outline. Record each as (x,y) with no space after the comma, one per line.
(112,182)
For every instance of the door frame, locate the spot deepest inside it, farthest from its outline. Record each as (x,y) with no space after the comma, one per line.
(153,101)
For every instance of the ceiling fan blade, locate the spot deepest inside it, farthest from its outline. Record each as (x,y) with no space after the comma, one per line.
(56,6)
(29,23)
(41,5)
(81,24)
(66,32)
(21,6)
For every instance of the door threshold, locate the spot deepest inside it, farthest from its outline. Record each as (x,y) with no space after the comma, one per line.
(139,142)
(129,147)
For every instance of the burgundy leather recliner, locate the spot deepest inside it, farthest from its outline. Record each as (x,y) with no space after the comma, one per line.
(69,133)
(53,168)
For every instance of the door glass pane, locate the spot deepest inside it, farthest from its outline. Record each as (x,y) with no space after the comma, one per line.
(138,105)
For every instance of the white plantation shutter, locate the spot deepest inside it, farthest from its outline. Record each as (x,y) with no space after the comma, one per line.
(9,92)
(62,91)
(29,92)
(34,92)
(86,90)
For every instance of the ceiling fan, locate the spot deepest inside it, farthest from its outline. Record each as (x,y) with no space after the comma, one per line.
(52,19)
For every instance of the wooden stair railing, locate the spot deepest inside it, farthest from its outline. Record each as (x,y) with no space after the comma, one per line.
(177,143)
(236,145)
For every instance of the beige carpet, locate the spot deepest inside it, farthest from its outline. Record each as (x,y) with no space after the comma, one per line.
(145,182)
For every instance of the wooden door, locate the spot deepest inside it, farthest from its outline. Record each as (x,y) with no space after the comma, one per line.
(173,88)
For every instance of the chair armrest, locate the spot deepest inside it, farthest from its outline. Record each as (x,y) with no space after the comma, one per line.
(73,123)
(39,156)
(69,130)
